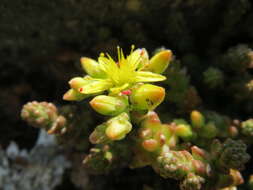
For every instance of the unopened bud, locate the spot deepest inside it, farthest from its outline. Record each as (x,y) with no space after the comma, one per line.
(151,119)
(73,95)
(247,127)
(147,97)
(98,135)
(108,105)
(199,153)
(233,131)
(92,67)
(77,82)
(237,177)
(150,145)
(250,182)
(192,182)
(209,131)
(184,131)
(197,119)
(118,127)
(159,62)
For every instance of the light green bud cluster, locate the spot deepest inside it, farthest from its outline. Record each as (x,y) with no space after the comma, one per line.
(121,90)
(153,136)
(44,115)
(179,164)
(192,182)
(133,135)
(247,127)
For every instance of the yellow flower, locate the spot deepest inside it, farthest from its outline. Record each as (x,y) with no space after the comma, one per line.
(114,76)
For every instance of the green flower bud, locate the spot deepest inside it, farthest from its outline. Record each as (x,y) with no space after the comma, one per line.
(118,127)
(247,127)
(221,122)
(115,128)
(236,176)
(73,95)
(178,164)
(106,157)
(215,148)
(199,154)
(250,182)
(197,119)
(153,135)
(108,105)
(98,161)
(150,145)
(233,131)
(44,115)
(39,114)
(209,131)
(147,97)
(77,82)
(151,119)
(159,62)
(92,67)
(98,135)
(224,181)
(184,131)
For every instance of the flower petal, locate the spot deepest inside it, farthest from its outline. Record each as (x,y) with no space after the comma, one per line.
(73,95)
(118,89)
(92,68)
(137,58)
(145,76)
(159,62)
(107,64)
(95,86)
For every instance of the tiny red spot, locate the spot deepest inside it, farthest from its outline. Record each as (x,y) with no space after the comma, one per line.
(80,89)
(126,92)
(142,52)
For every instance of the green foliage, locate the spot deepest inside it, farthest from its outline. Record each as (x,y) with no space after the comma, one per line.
(198,148)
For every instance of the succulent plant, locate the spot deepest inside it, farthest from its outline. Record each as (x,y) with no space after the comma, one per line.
(199,149)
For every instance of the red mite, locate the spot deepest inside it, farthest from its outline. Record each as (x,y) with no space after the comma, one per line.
(81,89)
(126,92)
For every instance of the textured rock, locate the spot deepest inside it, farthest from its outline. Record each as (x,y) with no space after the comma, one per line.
(41,168)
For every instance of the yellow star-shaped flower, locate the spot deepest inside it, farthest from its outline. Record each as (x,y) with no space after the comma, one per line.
(116,76)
